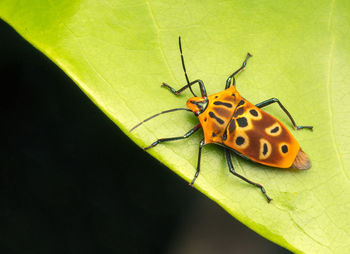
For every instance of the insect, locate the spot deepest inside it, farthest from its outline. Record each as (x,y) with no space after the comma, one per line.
(229,120)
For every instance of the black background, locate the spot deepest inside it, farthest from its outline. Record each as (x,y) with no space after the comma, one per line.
(72,182)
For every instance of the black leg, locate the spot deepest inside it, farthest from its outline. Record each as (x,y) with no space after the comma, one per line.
(232,76)
(273,100)
(232,170)
(201,144)
(201,86)
(189,133)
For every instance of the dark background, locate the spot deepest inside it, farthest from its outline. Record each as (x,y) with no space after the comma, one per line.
(72,182)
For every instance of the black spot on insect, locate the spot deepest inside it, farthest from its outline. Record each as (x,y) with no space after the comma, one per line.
(219,120)
(232,126)
(240,103)
(213,134)
(216,97)
(274,130)
(242,122)
(253,112)
(224,137)
(265,149)
(284,148)
(240,140)
(205,119)
(229,105)
(239,112)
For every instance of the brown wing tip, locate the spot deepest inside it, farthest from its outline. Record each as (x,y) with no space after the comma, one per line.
(301,161)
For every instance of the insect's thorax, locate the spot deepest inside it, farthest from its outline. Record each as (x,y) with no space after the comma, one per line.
(218,114)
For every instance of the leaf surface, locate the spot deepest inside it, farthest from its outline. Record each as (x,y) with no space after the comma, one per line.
(119,52)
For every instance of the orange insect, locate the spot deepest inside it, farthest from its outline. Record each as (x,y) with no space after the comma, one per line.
(229,120)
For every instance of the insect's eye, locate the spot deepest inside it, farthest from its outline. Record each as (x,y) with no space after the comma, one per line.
(197,104)
(201,104)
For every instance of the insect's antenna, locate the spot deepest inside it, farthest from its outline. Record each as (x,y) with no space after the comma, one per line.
(184,68)
(163,112)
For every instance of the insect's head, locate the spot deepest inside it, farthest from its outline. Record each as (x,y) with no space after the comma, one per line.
(197,104)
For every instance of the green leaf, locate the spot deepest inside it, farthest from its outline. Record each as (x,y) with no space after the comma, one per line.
(119,52)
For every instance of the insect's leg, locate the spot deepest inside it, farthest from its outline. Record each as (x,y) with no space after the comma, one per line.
(273,100)
(232,76)
(232,170)
(201,86)
(189,133)
(201,144)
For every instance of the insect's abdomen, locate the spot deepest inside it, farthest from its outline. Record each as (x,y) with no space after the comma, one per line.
(262,138)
